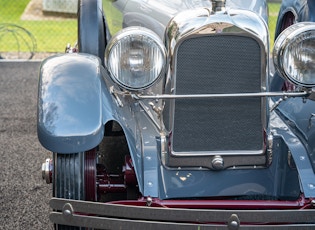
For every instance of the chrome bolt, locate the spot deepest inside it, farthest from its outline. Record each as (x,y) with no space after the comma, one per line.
(217,163)
(234,222)
(67,210)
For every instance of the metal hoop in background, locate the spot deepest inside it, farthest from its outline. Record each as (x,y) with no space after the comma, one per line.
(22,37)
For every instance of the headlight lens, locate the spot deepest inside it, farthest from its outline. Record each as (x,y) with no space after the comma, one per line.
(135,58)
(294,54)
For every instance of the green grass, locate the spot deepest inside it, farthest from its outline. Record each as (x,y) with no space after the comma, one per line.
(12,9)
(53,35)
(273,15)
(50,35)
(113,16)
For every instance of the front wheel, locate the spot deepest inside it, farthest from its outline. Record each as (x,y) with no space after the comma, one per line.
(75,178)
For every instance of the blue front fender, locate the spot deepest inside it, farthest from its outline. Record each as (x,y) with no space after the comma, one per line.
(69,115)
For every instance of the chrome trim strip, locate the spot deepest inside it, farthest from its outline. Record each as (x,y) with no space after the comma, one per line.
(221,153)
(113,216)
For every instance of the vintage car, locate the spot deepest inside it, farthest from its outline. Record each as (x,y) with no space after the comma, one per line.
(166,116)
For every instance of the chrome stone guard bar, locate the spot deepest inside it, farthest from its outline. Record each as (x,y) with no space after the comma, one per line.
(115,216)
(284,95)
(196,96)
(261,94)
(137,96)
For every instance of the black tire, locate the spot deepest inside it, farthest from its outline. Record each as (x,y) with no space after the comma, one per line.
(91,28)
(73,178)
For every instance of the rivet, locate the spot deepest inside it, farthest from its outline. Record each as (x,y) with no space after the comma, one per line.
(311,186)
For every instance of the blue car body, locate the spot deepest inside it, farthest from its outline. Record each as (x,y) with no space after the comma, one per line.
(213,131)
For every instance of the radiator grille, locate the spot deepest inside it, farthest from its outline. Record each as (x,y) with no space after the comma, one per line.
(218,64)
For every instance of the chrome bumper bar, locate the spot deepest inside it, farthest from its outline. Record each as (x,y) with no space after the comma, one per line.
(114,216)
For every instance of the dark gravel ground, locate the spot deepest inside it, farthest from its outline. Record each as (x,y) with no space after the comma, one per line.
(24,196)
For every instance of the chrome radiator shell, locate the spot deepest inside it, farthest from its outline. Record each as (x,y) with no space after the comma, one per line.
(215,53)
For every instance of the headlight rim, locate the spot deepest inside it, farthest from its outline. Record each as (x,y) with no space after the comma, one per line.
(282,43)
(136,31)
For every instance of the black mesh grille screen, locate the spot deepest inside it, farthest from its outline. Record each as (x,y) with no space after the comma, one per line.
(218,64)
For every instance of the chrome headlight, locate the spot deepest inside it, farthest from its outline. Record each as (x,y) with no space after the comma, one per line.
(294,54)
(135,58)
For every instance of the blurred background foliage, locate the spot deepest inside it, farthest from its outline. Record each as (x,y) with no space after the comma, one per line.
(28,27)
